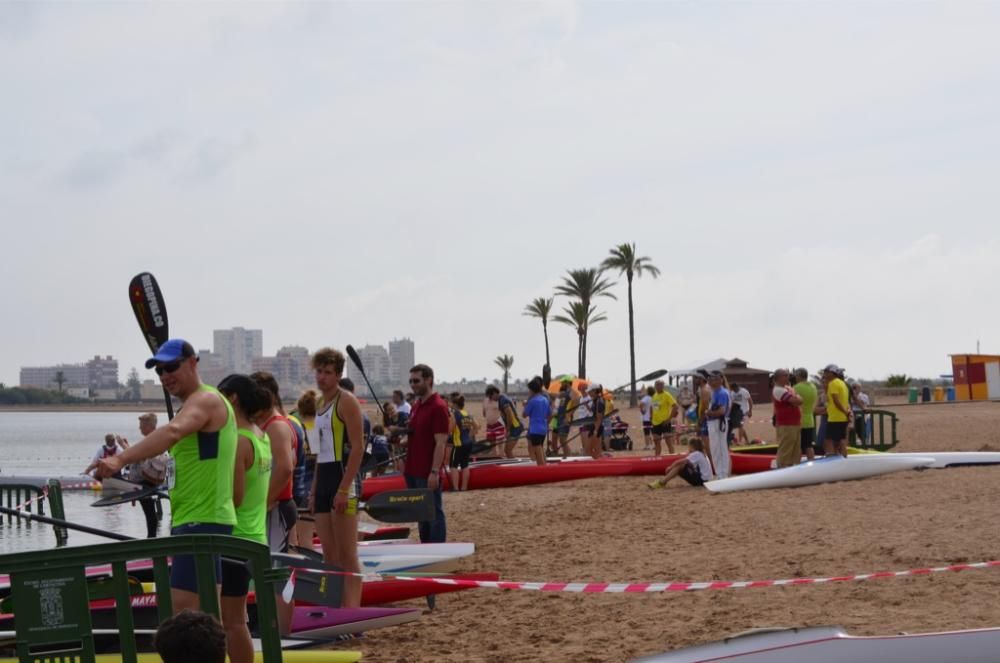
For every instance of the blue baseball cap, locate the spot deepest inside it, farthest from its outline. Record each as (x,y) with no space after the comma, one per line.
(172,350)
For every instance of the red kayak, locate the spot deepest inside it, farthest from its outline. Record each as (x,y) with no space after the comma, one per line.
(508,476)
(391,590)
(751,463)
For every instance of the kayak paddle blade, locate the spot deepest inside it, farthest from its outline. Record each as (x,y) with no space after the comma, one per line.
(401,506)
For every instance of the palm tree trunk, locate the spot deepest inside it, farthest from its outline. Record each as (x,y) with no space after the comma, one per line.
(579,353)
(583,354)
(505,376)
(632,401)
(545,331)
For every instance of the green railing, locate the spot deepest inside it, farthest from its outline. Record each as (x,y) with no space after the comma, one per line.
(31,498)
(51,596)
(875,438)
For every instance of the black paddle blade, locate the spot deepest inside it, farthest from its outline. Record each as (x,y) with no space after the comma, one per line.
(353,354)
(546,376)
(401,506)
(131,496)
(150,311)
(314,587)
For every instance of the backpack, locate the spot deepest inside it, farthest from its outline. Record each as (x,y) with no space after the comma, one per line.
(152,470)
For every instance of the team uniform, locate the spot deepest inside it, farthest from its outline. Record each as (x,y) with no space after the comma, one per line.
(282,518)
(251,514)
(331,460)
(461,440)
(509,416)
(717,428)
(200,481)
(836,421)
(537,410)
(788,426)
(662,405)
(807,392)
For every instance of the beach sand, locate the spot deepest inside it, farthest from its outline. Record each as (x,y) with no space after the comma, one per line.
(616,530)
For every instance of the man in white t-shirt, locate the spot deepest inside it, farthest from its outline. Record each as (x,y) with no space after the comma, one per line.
(109,448)
(402,407)
(646,410)
(740,414)
(694,468)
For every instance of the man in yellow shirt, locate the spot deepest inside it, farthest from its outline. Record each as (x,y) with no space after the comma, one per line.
(664,410)
(837,411)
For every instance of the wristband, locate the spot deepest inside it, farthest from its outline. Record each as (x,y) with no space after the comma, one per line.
(341,491)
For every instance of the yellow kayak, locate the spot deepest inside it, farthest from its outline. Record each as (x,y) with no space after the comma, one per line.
(297,656)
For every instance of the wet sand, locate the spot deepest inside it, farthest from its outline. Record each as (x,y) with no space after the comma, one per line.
(616,530)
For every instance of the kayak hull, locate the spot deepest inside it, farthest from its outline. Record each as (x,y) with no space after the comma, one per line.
(825,470)
(832,645)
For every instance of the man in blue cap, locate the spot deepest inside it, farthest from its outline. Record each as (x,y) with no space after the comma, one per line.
(201,440)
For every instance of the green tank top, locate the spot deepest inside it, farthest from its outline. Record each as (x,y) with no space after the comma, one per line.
(251,514)
(203,474)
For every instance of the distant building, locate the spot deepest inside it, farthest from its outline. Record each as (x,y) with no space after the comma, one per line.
(736,371)
(238,347)
(212,367)
(97,373)
(402,358)
(290,367)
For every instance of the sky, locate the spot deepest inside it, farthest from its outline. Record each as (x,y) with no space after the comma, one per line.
(816,181)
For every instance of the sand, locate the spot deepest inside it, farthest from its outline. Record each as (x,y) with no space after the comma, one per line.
(616,530)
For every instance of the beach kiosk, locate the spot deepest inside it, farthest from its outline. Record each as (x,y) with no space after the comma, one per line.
(977,377)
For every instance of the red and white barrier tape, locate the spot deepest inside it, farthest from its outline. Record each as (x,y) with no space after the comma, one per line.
(42,496)
(653,587)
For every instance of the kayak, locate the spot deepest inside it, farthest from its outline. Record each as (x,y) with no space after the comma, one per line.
(773,449)
(507,476)
(307,620)
(943,459)
(384,557)
(391,590)
(825,470)
(830,644)
(297,656)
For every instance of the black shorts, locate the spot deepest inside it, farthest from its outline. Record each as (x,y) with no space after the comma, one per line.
(588,429)
(647,427)
(182,567)
(663,428)
(328,478)
(235,578)
(691,474)
(807,438)
(460,457)
(536,440)
(735,418)
(835,431)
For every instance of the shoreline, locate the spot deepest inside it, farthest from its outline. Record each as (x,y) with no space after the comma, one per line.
(86,407)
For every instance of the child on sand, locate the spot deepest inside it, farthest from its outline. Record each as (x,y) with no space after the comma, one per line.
(693,468)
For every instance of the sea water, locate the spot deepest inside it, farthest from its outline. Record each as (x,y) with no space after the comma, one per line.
(56,444)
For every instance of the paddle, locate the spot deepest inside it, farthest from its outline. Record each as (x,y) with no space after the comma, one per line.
(151,314)
(64,523)
(413,505)
(361,369)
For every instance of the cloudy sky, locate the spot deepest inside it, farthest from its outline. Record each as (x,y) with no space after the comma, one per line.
(816,181)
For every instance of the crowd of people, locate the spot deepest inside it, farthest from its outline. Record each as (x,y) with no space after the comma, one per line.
(808,418)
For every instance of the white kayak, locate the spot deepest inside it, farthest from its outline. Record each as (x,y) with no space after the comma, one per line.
(824,470)
(830,644)
(943,459)
(396,557)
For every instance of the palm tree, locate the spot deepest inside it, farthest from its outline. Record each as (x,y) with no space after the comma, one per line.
(585,285)
(504,362)
(581,319)
(60,380)
(623,259)
(541,308)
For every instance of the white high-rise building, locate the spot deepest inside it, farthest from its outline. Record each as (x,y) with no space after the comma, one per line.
(376,362)
(402,358)
(237,347)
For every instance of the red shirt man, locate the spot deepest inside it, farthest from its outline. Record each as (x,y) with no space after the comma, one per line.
(428,436)
(787,420)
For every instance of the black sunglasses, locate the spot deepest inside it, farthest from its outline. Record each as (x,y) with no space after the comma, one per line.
(169,367)
(416,380)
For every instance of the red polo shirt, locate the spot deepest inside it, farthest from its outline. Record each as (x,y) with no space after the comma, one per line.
(785,414)
(427,418)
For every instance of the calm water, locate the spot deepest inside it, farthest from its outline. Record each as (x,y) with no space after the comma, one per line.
(62,444)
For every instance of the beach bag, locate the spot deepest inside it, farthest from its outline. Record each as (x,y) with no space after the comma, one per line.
(152,470)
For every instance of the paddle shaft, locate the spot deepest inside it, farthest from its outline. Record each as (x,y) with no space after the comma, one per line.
(352,353)
(64,523)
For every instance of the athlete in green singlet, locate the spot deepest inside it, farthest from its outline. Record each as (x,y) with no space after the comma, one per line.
(250,485)
(201,440)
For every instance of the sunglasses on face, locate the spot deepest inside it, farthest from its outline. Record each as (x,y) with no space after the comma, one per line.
(169,367)
(415,380)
